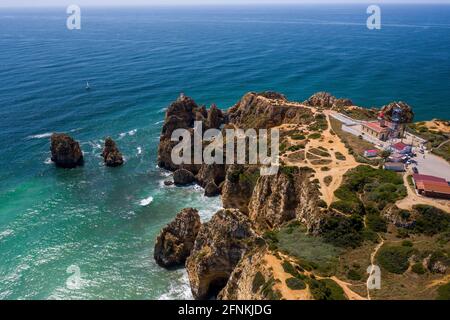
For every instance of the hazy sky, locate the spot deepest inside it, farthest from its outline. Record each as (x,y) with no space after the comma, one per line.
(33,3)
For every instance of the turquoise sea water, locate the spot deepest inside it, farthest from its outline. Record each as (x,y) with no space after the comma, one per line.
(137,61)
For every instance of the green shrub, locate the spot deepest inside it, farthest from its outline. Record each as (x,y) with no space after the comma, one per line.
(326,289)
(298,137)
(376,223)
(418,268)
(353,274)
(322,204)
(407,243)
(289,268)
(343,231)
(258,281)
(315,135)
(431,220)
(295,284)
(395,259)
(339,156)
(444,292)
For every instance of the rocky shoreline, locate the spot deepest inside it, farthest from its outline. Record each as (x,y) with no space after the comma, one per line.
(235,255)
(253,204)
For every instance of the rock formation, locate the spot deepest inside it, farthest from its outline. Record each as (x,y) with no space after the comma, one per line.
(111,154)
(176,240)
(255,111)
(248,278)
(238,186)
(327,101)
(181,114)
(212,190)
(66,152)
(219,246)
(406,115)
(183,177)
(289,195)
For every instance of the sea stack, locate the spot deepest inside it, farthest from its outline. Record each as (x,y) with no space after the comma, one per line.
(66,152)
(111,154)
(176,240)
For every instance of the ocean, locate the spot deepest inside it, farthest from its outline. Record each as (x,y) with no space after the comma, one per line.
(104,220)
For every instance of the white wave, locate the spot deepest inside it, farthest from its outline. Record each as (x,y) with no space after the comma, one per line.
(139,150)
(159,122)
(128,133)
(6,233)
(48,161)
(145,202)
(179,289)
(41,135)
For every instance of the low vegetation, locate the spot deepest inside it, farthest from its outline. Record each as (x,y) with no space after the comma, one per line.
(326,289)
(295,284)
(395,259)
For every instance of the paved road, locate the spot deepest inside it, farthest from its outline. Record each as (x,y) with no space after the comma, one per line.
(433,165)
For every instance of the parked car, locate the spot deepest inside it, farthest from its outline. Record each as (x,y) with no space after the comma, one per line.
(415,170)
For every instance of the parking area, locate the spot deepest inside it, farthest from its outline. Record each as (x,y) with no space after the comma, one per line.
(432,165)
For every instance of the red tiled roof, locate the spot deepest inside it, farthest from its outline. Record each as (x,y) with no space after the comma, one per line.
(424,177)
(400,146)
(375,126)
(436,187)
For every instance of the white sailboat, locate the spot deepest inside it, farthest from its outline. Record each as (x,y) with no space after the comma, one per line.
(88,87)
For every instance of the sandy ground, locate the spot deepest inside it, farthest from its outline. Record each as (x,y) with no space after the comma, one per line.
(437,125)
(337,167)
(413,198)
(278,273)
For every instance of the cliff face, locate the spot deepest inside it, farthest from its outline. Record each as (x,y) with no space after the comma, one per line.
(247,278)
(327,101)
(218,248)
(176,240)
(238,186)
(181,114)
(283,197)
(266,110)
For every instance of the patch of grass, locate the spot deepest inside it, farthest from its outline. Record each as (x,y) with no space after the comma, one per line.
(340,156)
(444,292)
(258,281)
(431,220)
(326,289)
(311,251)
(295,284)
(322,152)
(395,259)
(289,268)
(418,268)
(315,135)
(353,274)
(298,136)
(376,223)
(343,231)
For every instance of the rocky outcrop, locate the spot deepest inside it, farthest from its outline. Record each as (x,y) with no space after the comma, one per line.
(181,114)
(255,111)
(285,196)
(111,154)
(406,115)
(327,101)
(238,186)
(183,177)
(208,173)
(248,278)
(212,190)
(176,240)
(66,152)
(219,246)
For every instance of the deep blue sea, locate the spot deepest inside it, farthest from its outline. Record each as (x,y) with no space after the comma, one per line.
(138,60)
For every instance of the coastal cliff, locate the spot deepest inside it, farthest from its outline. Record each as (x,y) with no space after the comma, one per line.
(290,235)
